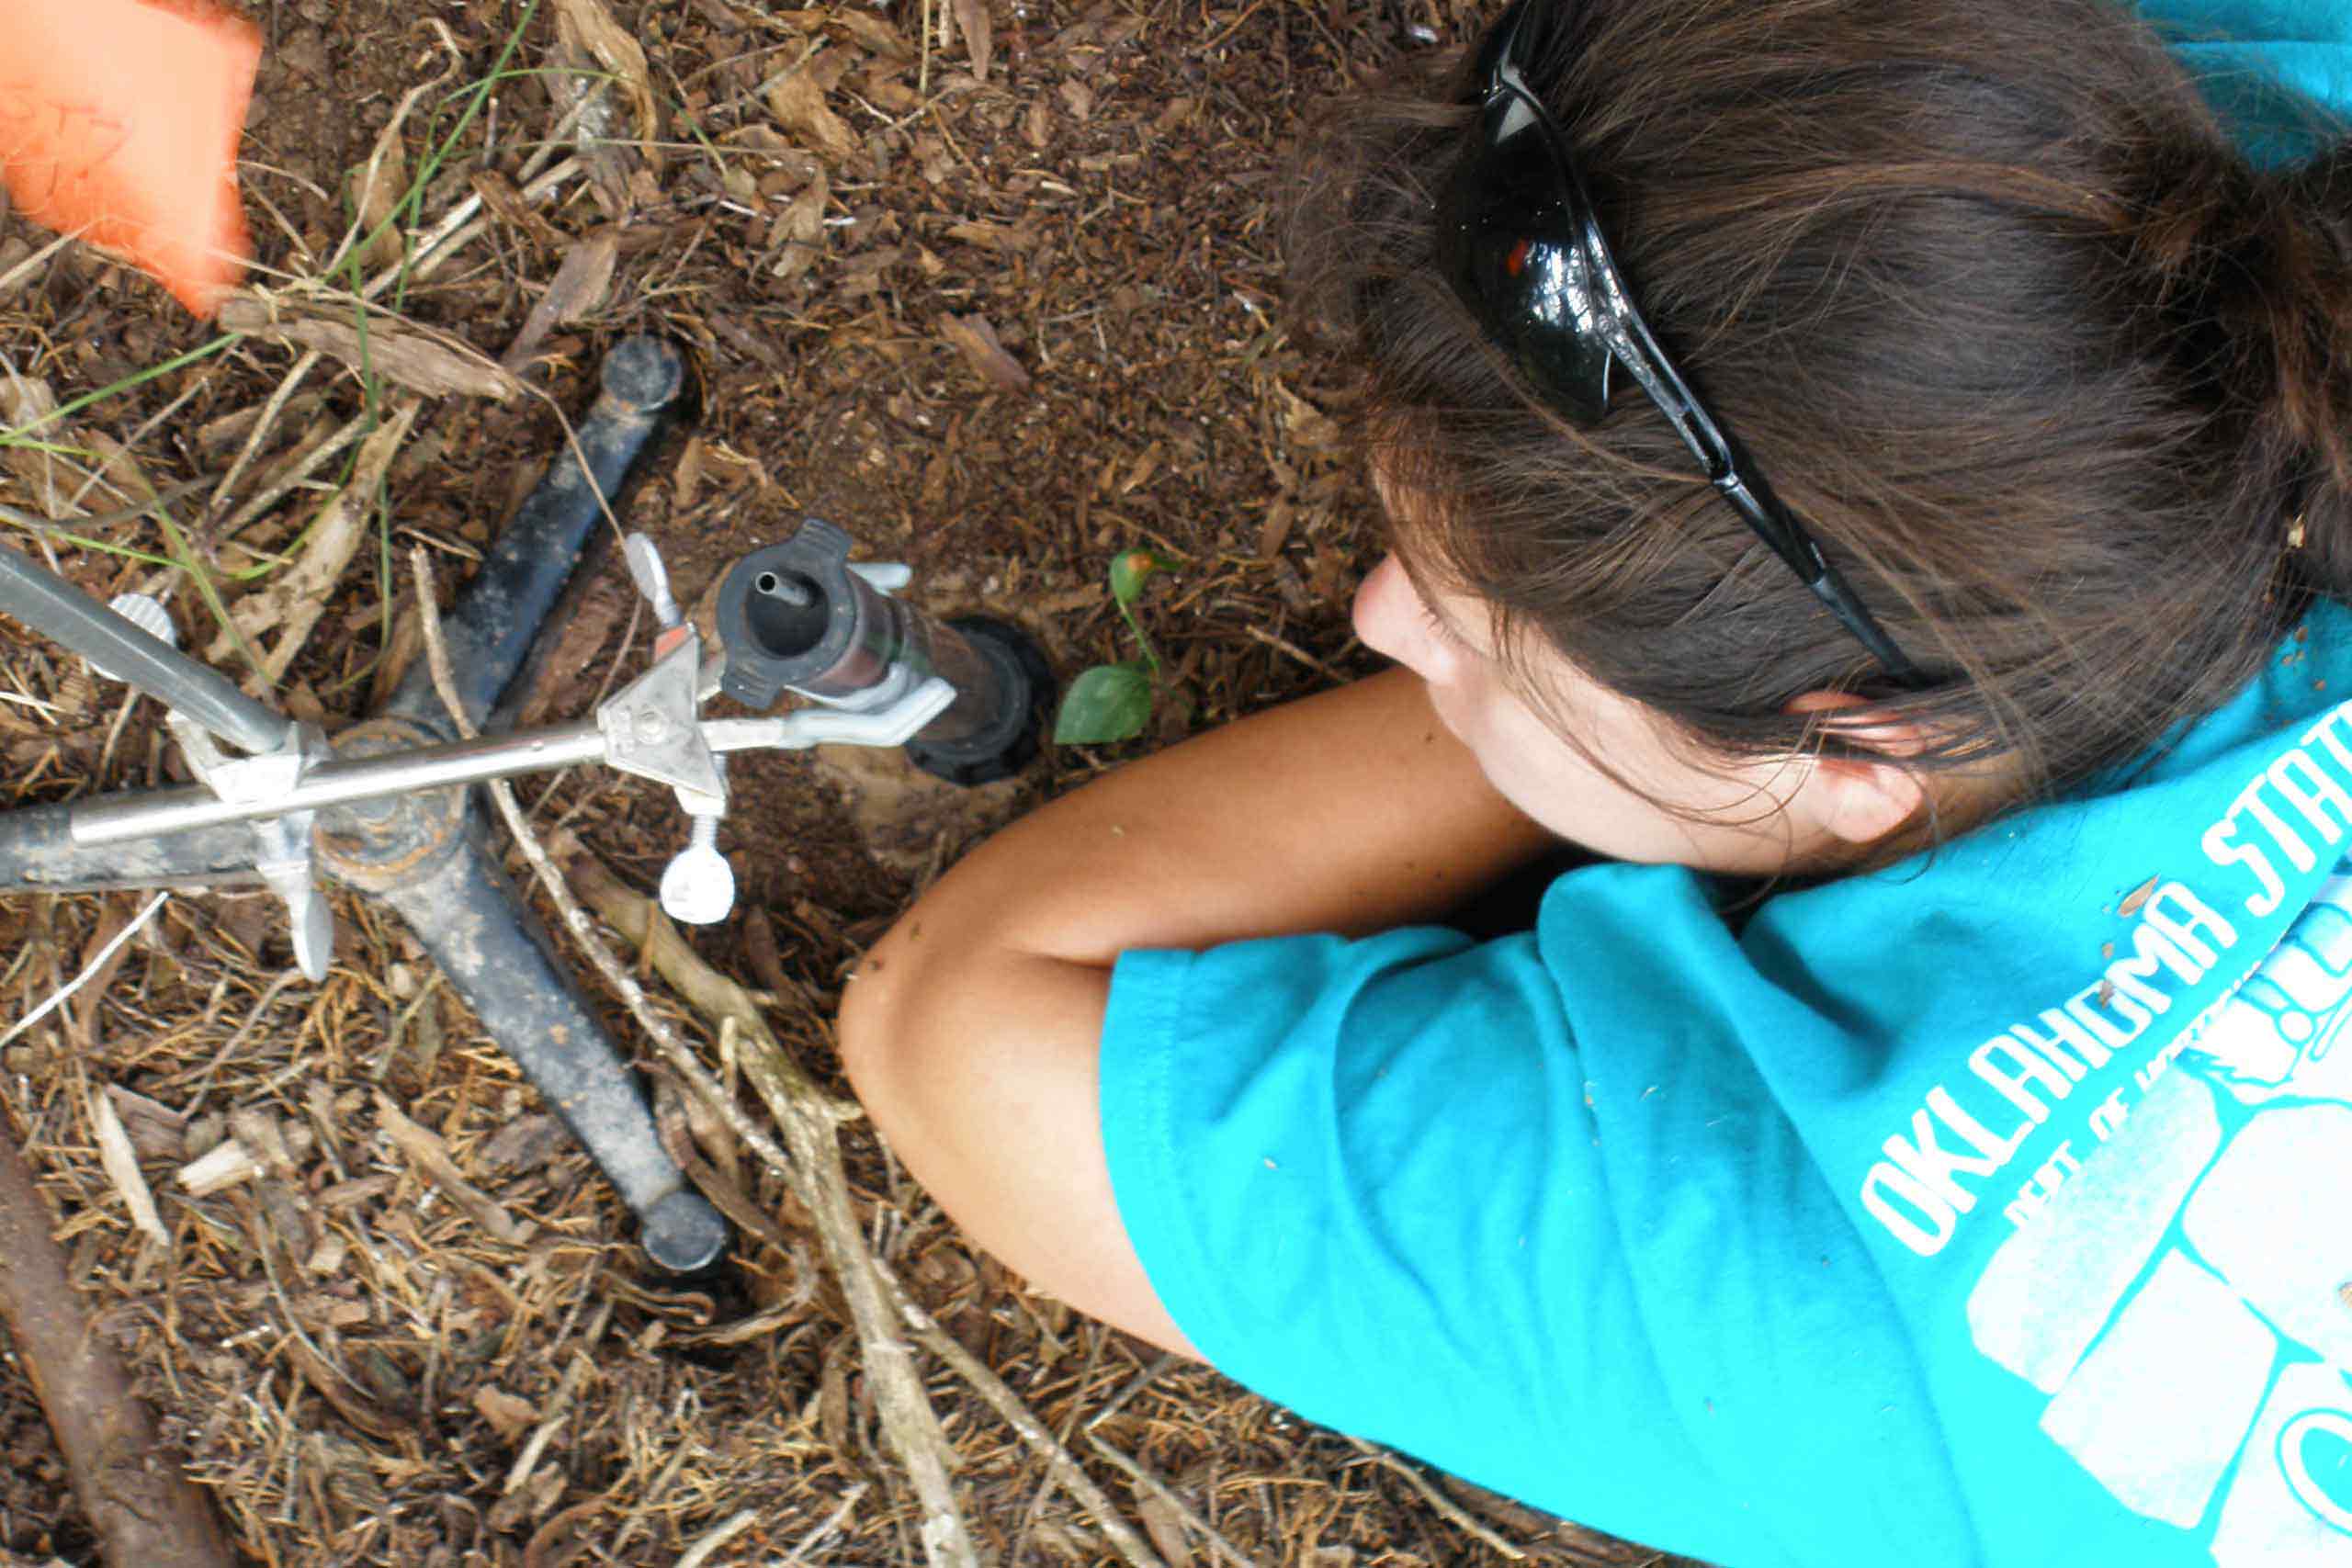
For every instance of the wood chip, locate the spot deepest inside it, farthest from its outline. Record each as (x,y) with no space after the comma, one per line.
(797,101)
(1166,1528)
(977,341)
(260,1132)
(512,208)
(799,236)
(228,1163)
(376,188)
(586,24)
(972,15)
(512,1416)
(1309,426)
(878,36)
(424,1149)
(156,1130)
(578,290)
(994,236)
(403,352)
(121,1164)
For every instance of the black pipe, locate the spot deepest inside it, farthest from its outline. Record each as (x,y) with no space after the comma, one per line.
(491,629)
(499,959)
(420,854)
(38,854)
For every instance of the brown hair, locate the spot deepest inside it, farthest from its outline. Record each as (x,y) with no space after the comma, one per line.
(2060,381)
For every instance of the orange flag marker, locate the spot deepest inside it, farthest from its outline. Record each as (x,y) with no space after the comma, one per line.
(119,123)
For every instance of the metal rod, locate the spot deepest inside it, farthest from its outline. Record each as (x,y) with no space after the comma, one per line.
(131,816)
(121,817)
(65,614)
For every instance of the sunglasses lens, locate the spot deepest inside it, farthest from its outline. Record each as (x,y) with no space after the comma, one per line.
(1512,256)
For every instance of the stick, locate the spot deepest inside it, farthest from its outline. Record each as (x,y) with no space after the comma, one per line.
(1007,1404)
(145,1510)
(89,971)
(707,1547)
(1447,1508)
(1185,1511)
(810,1121)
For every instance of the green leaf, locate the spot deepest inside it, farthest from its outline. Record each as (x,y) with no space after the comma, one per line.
(1130,569)
(1109,702)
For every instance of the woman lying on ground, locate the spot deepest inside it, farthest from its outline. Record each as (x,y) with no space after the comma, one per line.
(1879,472)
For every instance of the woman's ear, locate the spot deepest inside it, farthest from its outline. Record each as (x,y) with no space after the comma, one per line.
(1862,799)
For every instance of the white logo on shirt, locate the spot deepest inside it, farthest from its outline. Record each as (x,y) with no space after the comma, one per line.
(2185,1298)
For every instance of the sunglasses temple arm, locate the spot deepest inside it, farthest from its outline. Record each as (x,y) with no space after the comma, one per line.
(1831,589)
(1803,556)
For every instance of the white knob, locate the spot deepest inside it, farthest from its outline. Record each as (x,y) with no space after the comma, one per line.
(149,615)
(698,886)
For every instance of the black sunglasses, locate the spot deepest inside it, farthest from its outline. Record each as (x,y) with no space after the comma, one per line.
(1519,240)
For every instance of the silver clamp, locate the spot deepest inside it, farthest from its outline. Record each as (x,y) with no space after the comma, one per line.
(284,841)
(651,728)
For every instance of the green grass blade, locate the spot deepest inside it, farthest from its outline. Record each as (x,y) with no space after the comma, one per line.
(137,379)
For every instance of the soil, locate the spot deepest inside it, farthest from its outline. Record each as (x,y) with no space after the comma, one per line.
(1001,313)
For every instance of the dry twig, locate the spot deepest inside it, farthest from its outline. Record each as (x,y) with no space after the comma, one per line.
(1154,1487)
(1001,1398)
(810,1121)
(1449,1511)
(143,1509)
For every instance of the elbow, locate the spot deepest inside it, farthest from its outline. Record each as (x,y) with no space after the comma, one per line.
(899,1019)
(870,1028)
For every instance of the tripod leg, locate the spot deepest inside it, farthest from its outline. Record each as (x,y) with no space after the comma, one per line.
(66,615)
(38,854)
(498,957)
(498,615)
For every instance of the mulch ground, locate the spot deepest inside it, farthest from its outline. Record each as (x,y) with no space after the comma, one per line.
(996,289)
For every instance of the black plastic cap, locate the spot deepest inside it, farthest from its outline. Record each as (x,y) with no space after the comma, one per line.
(682,1233)
(1005,747)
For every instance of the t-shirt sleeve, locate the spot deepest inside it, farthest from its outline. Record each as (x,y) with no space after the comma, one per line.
(1362,1177)
(1528,1210)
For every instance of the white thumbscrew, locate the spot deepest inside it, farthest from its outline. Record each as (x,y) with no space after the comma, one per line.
(698,886)
(149,615)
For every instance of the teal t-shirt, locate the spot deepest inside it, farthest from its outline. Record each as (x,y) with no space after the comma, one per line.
(1995,1208)
(2264,64)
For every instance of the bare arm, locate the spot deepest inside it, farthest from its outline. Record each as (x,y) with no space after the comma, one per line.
(971,1031)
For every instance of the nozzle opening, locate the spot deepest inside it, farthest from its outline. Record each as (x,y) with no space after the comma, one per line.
(787,614)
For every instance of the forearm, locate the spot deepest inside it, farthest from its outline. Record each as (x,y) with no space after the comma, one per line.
(1351,811)
(973,1030)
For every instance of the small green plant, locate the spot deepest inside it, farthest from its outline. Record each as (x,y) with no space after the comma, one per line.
(1112,702)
